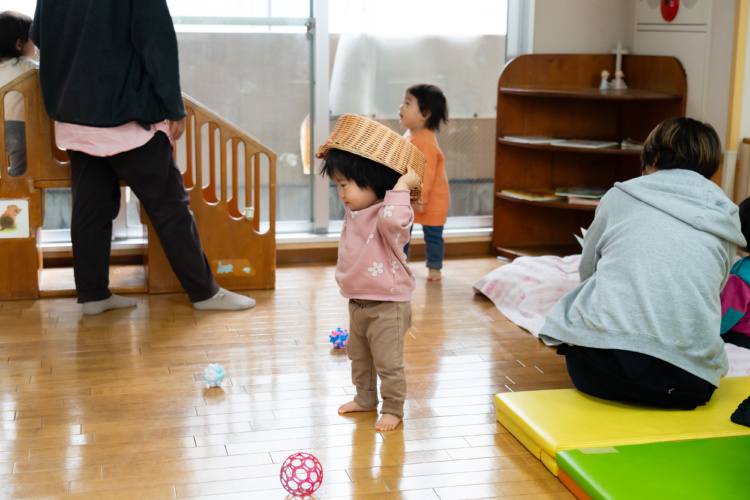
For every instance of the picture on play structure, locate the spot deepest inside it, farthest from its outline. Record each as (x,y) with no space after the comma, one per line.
(14,221)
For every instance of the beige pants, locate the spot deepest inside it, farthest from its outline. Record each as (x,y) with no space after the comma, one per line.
(376,348)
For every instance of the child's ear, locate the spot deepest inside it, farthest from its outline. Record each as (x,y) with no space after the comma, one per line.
(19,45)
(426,114)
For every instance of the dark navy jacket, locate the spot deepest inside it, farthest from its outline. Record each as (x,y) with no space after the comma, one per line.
(104,63)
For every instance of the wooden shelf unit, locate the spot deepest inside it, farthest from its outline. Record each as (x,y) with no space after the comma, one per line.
(562,204)
(557,95)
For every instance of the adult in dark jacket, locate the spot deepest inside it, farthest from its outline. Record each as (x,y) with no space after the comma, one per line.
(109,75)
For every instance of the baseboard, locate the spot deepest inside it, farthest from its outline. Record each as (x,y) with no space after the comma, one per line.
(326,250)
(300,249)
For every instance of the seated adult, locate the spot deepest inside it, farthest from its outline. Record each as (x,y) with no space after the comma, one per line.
(643,323)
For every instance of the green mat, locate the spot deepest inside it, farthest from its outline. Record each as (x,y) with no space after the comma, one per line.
(701,469)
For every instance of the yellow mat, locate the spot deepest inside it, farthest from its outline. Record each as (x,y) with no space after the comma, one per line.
(546,422)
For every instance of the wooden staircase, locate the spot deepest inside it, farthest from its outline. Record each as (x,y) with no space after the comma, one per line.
(230,176)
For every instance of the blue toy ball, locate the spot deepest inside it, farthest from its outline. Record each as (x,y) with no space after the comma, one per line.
(339,338)
(214,374)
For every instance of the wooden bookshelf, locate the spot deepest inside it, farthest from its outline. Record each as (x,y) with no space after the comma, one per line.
(559,204)
(553,147)
(557,95)
(594,93)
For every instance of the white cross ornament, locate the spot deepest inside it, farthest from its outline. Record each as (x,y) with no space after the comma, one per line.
(619,51)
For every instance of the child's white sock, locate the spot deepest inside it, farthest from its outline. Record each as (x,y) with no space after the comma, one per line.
(225,300)
(114,302)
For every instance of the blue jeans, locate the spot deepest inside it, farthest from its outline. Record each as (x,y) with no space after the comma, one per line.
(434,246)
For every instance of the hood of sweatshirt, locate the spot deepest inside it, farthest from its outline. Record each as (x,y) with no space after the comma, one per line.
(692,199)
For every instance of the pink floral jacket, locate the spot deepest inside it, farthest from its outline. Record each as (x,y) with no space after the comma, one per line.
(371,262)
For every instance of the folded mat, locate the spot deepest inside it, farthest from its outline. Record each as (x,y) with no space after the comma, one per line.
(546,422)
(701,469)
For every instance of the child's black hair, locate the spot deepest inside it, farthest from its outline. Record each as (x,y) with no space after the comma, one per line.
(745,219)
(364,172)
(14,26)
(431,98)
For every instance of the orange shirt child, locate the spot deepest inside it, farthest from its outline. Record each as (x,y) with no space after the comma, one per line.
(436,196)
(422,111)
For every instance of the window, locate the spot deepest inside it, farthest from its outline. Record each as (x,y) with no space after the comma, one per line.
(250,62)
(412,18)
(381,47)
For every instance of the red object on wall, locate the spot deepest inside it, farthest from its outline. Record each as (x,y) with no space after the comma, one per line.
(669,9)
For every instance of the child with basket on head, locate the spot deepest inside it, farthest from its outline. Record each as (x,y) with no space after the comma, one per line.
(735,297)
(16,53)
(423,110)
(375,170)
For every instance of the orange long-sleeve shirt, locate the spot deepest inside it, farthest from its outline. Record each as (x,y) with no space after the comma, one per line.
(435,192)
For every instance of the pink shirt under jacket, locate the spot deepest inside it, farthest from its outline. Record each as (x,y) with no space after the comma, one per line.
(371,262)
(106,141)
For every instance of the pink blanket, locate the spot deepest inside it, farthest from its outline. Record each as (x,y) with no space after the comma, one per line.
(526,289)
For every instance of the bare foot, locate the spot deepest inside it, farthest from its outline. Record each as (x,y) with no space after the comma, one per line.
(352,406)
(387,422)
(434,275)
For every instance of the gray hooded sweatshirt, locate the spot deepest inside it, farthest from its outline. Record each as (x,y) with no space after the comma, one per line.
(654,262)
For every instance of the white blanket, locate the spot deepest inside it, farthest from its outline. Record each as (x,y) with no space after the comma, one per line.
(526,289)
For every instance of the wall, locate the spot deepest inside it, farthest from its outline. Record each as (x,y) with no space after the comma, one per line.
(743,104)
(701,37)
(719,82)
(745,107)
(595,26)
(582,26)
(720,66)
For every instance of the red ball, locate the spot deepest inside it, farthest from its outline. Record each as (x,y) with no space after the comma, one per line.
(301,474)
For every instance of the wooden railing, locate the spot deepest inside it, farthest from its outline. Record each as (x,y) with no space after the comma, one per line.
(237,229)
(231,178)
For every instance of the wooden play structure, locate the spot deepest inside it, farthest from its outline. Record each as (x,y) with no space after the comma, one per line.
(230,176)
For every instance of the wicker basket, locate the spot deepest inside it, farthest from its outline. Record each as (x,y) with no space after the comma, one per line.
(364,137)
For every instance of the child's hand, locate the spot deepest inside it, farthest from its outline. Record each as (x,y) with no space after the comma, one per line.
(408,181)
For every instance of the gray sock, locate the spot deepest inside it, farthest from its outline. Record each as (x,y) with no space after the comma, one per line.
(225,301)
(114,302)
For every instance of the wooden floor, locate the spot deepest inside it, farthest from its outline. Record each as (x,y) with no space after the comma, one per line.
(113,406)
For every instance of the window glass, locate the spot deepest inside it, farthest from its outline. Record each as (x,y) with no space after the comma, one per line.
(23,6)
(240,8)
(259,82)
(380,47)
(256,74)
